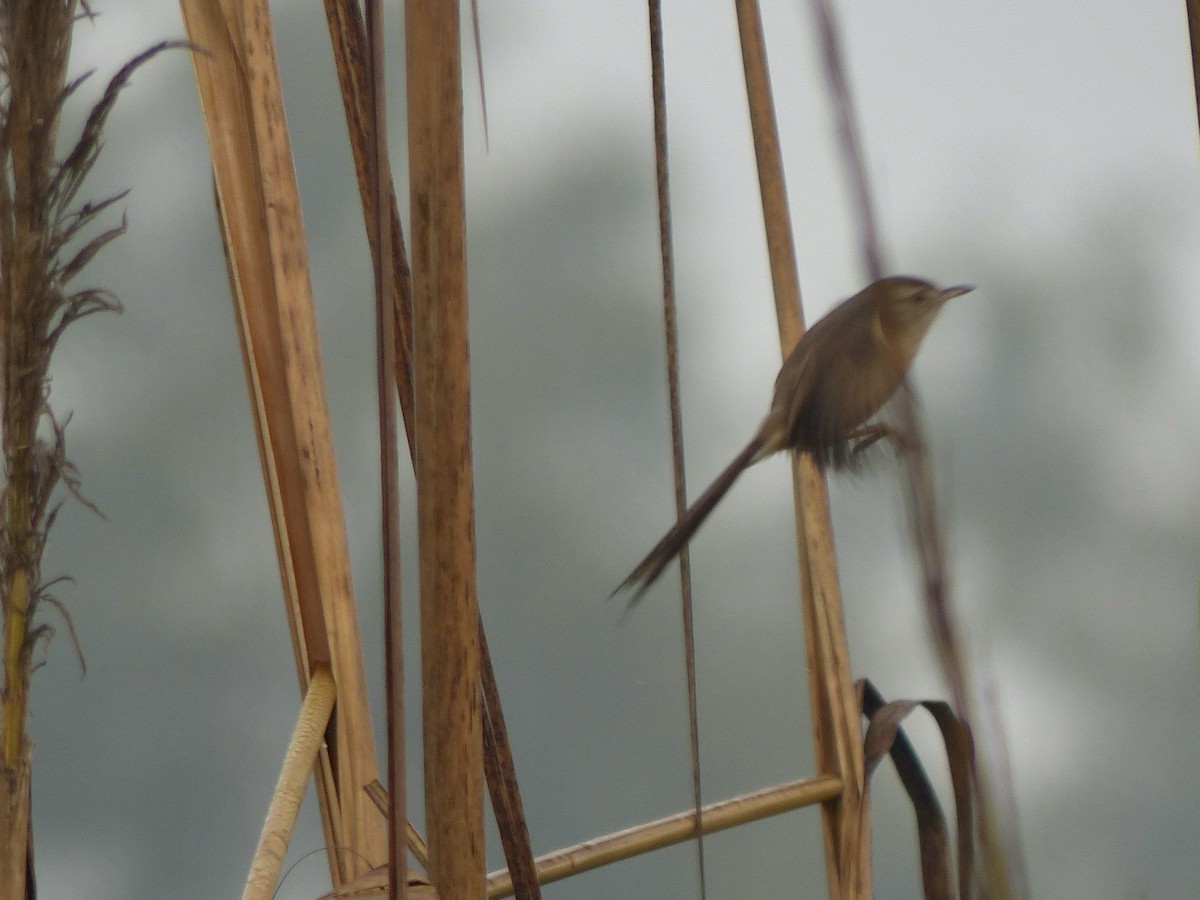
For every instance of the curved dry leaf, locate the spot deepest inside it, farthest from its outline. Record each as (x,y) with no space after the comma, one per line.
(886,737)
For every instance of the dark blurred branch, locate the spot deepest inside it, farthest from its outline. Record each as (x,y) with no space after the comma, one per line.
(1001,874)
(1193,15)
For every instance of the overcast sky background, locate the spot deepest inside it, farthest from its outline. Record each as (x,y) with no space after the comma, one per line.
(1046,153)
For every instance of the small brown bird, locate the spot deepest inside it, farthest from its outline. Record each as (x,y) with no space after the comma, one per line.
(842,371)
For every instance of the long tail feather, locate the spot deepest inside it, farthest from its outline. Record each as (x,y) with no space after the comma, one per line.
(673,541)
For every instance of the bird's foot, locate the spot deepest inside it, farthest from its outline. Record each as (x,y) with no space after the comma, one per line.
(868,435)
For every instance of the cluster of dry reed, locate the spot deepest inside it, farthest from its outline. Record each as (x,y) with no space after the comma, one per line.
(47,237)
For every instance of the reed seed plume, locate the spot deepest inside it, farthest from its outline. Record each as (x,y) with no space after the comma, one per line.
(48,235)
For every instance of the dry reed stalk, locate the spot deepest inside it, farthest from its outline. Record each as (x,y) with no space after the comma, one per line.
(43,248)
(675,829)
(289,790)
(350,51)
(675,406)
(386,370)
(836,733)
(416,844)
(261,226)
(35,48)
(445,502)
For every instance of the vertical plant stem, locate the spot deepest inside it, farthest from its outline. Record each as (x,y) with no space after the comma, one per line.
(35,40)
(348,36)
(671,328)
(385,371)
(836,735)
(43,246)
(259,213)
(16,633)
(445,491)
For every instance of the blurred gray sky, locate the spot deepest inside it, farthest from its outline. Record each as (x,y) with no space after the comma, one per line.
(1046,154)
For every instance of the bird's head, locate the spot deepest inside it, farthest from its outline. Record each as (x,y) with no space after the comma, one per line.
(906,307)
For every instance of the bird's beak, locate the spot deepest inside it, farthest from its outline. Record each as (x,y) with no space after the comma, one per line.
(957,291)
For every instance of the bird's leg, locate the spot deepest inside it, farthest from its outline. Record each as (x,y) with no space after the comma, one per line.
(867,435)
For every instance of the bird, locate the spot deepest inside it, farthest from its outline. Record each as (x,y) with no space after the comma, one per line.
(839,374)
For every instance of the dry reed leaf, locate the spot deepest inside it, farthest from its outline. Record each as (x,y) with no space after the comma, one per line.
(886,737)
(500,771)
(350,53)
